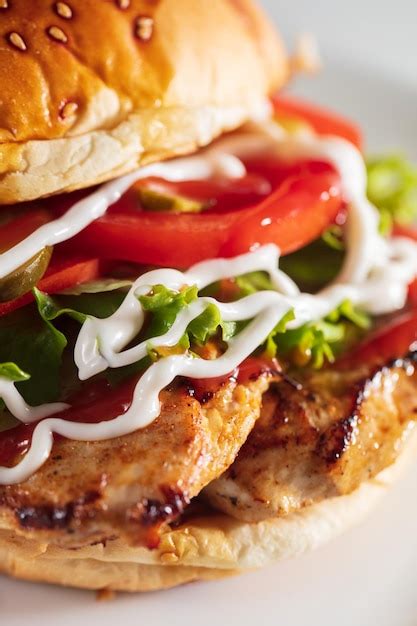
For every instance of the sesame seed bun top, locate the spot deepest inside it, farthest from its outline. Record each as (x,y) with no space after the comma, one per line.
(90,89)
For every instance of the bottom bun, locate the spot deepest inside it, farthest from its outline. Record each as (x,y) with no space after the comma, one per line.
(206,548)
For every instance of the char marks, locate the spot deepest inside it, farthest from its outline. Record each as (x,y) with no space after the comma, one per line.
(141,481)
(340,430)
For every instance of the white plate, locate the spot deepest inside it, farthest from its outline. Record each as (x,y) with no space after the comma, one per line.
(365,578)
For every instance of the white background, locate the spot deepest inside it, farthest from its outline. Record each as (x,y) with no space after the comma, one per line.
(377,33)
(366,46)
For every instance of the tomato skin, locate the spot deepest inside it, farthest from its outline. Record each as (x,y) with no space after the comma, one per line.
(59,276)
(397,338)
(411,233)
(323,121)
(291,218)
(22,226)
(391,342)
(223,194)
(182,240)
(156,239)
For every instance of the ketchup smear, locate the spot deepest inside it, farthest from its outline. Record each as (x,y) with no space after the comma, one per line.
(99,402)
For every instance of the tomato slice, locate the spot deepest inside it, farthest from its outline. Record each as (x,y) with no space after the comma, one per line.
(411,233)
(219,194)
(61,274)
(323,121)
(289,206)
(22,226)
(291,216)
(390,342)
(396,338)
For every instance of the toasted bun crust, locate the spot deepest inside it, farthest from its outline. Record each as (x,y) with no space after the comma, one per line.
(207,548)
(90,90)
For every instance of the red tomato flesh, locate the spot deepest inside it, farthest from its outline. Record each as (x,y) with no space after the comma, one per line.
(288,206)
(411,233)
(390,342)
(60,275)
(182,240)
(22,226)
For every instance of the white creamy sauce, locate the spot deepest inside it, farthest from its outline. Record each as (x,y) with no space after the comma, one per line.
(90,208)
(375,276)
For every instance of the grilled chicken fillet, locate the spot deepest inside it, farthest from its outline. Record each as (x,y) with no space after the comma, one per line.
(339,429)
(90,491)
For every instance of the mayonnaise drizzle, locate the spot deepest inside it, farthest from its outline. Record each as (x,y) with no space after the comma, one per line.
(375,277)
(89,209)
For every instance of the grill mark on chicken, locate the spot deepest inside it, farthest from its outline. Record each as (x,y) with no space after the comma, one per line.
(341,429)
(50,517)
(132,485)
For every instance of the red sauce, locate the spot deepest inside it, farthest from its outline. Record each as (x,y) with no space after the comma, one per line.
(99,402)
(250,370)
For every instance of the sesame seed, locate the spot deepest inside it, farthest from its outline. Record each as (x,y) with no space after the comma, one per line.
(123,4)
(4,4)
(63,10)
(57,33)
(68,110)
(144,28)
(17,41)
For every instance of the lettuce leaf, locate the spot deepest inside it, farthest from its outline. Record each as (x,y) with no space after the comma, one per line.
(333,237)
(253,282)
(319,342)
(164,305)
(314,266)
(100,305)
(98,286)
(392,188)
(31,340)
(36,346)
(12,372)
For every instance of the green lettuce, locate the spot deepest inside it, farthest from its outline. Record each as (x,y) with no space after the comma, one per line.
(12,372)
(253,282)
(36,346)
(98,286)
(333,237)
(392,188)
(319,342)
(32,342)
(164,305)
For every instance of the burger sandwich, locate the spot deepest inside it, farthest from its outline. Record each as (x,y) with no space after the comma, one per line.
(208,306)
